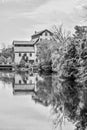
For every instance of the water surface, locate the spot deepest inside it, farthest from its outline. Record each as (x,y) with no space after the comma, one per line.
(34,102)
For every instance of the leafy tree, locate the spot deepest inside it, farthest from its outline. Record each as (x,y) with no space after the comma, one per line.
(44,51)
(62,39)
(73,77)
(8,52)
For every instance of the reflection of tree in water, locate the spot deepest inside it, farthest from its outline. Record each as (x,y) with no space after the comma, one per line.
(82,118)
(43,91)
(67,98)
(71,98)
(70,101)
(7,77)
(67,101)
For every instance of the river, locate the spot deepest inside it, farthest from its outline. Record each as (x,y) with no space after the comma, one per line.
(34,102)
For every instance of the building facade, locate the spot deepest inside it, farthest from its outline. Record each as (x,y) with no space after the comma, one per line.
(24,50)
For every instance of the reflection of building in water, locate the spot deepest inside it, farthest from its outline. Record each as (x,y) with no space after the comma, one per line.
(4,74)
(24,84)
(40,88)
(6,77)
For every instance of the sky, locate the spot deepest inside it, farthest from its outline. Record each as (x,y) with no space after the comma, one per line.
(19,19)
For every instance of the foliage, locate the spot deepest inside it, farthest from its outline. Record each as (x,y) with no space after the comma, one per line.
(44,51)
(80,31)
(59,48)
(7,52)
(7,55)
(43,91)
(71,102)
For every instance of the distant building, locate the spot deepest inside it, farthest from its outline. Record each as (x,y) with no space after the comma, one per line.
(24,50)
(43,35)
(27,50)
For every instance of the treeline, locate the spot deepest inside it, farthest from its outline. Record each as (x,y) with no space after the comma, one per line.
(6,56)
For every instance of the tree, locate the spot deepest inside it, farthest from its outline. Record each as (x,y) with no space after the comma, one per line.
(44,56)
(44,51)
(73,77)
(62,39)
(8,52)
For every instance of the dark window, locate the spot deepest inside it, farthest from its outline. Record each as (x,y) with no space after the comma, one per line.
(25,54)
(27,66)
(36,60)
(19,54)
(30,54)
(19,81)
(36,78)
(45,33)
(25,81)
(40,39)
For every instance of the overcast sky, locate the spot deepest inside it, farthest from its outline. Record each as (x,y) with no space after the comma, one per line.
(20,18)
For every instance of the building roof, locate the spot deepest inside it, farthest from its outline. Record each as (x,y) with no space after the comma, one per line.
(31,42)
(39,33)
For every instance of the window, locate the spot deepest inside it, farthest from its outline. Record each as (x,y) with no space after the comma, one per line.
(25,81)
(25,54)
(40,39)
(45,33)
(30,54)
(19,81)
(19,54)
(36,60)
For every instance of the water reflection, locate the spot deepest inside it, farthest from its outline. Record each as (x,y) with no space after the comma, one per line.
(67,98)
(43,92)
(6,77)
(38,87)
(24,84)
(71,104)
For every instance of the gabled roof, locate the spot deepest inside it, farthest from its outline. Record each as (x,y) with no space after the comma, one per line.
(39,33)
